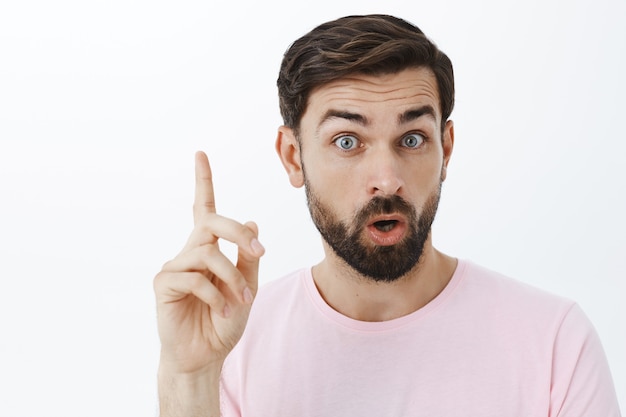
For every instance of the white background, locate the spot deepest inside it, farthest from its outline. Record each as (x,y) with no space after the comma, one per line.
(103,104)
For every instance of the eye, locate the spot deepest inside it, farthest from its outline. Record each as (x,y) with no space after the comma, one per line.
(412,140)
(346,142)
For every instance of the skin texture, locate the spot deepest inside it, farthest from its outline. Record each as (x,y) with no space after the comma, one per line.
(370,109)
(203,300)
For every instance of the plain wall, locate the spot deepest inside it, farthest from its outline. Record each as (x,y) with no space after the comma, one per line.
(103,104)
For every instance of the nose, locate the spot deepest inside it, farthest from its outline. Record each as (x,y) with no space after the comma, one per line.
(384,173)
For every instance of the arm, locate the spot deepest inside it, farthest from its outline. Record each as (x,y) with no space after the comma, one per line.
(203,303)
(189,394)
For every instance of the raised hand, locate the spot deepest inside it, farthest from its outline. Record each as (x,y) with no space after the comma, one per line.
(203,300)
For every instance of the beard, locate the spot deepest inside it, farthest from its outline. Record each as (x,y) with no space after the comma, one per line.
(379,263)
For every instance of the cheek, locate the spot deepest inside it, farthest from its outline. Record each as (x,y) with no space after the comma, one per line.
(336,188)
(331,185)
(423,179)
(429,168)
(320,171)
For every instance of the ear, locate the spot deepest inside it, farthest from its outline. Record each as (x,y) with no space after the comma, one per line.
(288,150)
(448,145)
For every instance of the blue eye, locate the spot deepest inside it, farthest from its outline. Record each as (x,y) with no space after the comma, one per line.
(412,140)
(346,142)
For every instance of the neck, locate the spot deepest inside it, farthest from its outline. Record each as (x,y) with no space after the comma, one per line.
(364,299)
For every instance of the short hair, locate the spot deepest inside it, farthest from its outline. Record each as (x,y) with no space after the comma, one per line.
(372,45)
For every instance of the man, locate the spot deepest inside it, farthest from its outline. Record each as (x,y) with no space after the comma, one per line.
(385,324)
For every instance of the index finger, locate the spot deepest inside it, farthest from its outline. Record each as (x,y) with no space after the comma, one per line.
(204,201)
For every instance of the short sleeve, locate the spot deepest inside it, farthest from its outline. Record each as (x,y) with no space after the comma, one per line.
(228,405)
(581,380)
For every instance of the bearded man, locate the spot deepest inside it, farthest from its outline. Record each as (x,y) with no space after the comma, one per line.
(385,324)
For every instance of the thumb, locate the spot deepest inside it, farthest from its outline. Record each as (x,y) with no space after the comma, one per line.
(248,264)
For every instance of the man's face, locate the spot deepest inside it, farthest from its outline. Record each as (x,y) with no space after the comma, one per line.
(373,160)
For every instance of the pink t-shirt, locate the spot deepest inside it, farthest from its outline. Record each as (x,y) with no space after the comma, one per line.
(487,345)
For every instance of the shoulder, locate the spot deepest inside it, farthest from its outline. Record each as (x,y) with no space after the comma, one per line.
(508,307)
(507,297)
(491,284)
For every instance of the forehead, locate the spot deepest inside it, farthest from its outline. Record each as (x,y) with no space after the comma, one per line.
(376,93)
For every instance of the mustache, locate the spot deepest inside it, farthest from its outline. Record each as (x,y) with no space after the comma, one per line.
(384,205)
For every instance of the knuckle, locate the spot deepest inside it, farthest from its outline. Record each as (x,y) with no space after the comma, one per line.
(196,281)
(159,280)
(165,267)
(245,230)
(204,206)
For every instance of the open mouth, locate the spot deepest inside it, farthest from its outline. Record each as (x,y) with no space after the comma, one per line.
(387,230)
(385,225)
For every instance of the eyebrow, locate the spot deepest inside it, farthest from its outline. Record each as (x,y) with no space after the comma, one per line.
(414,114)
(341,114)
(406,117)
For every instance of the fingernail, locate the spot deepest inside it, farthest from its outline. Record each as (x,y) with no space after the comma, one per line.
(256,246)
(247,296)
(226,311)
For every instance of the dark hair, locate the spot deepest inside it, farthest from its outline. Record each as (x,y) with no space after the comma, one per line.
(372,45)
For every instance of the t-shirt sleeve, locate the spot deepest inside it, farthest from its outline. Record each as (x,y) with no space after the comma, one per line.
(582,385)
(228,404)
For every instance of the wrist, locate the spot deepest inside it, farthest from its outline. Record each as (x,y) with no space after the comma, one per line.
(172,363)
(190,394)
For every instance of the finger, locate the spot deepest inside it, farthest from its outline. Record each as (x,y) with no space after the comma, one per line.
(249,265)
(215,227)
(204,201)
(171,287)
(206,259)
